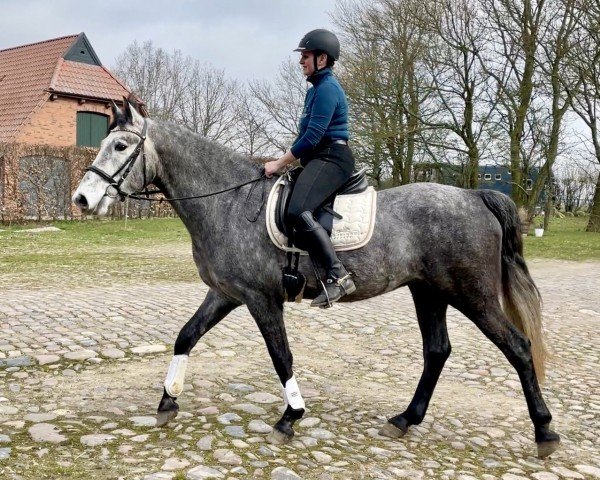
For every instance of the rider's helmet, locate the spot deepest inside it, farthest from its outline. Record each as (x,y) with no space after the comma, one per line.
(320,40)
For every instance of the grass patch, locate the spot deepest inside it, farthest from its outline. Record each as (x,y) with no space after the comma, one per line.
(97,251)
(565,239)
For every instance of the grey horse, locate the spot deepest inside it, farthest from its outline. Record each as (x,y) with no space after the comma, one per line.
(448,245)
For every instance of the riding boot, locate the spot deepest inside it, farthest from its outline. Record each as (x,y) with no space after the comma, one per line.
(313,238)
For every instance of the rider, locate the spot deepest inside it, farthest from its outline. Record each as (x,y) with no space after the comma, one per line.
(322,146)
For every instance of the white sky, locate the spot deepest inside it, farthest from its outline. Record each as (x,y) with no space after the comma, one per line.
(247,38)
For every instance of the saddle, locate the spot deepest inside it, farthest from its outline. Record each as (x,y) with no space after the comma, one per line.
(325,214)
(355,199)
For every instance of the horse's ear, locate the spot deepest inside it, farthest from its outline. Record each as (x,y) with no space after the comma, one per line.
(116,111)
(128,113)
(132,116)
(118,116)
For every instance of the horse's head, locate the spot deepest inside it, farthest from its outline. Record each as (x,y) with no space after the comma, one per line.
(124,165)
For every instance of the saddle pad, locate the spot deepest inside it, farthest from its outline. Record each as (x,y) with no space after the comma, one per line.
(353,231)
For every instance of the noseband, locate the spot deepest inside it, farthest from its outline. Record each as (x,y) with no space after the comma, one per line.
(125,168)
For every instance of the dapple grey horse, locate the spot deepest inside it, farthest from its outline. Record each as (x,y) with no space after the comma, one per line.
(448,245)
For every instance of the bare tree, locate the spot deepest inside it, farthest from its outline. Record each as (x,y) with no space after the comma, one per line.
(282,103)
(155,76)
(252,127)
(514,35)
(381,73)
(575,187)
(584,65)
(207,105)
(457,117)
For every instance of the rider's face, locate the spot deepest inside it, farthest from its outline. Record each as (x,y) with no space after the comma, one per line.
(307,63)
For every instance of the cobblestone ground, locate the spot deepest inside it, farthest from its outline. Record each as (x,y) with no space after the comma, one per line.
(81,373)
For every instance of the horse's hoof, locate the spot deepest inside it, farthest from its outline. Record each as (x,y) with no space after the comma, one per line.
(277,437)
(164,417)
(391,431)
(545,449)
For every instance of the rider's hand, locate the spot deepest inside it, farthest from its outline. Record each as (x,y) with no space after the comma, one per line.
(272,167)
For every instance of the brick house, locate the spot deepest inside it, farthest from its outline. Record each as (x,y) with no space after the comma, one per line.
(54,110)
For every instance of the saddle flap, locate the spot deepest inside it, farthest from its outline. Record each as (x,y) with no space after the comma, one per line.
(357,183)
(353,231)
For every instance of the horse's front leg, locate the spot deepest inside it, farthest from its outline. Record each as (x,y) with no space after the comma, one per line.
(268,314)
(213,309)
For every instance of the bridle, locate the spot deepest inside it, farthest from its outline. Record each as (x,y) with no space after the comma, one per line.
(125,168)
(130,162)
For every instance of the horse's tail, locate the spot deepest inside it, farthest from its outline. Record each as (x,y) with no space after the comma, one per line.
(522,300)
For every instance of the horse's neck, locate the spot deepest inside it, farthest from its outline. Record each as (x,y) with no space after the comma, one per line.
(191,165)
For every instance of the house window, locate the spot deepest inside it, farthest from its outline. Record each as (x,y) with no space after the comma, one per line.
(498,176)
(91,129)
(479,176)
(487,176)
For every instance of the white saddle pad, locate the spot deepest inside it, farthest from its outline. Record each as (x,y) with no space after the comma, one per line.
(353,231)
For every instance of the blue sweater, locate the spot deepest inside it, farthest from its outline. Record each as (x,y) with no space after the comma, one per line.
(325,114)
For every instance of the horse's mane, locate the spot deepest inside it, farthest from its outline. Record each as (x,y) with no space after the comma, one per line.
(136,103)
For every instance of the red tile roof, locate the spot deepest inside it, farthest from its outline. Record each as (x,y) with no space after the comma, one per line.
(29,72)
(91,81)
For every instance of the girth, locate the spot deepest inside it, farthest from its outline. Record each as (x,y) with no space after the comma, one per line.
(325,214)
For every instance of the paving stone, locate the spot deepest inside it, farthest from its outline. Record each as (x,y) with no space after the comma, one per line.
(544,476)
(566,473)
(228,418)
(80,355)
(143,421)
(205,443)
(46,359)
(592,472)
(200,472)
(175,464)
(160,476)
(146,349)
(284,473)
(39,417)
(96,439)
(227,457)
(262,397)
(46,433)
(16,361)
(112,353)
(259,426)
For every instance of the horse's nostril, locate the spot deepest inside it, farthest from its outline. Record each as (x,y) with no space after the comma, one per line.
(81,202)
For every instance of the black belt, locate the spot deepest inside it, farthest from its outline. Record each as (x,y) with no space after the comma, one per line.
(327,141)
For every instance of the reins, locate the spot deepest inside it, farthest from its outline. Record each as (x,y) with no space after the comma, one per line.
(136,196)
(128,166)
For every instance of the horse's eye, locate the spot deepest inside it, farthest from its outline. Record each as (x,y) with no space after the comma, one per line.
(119,147)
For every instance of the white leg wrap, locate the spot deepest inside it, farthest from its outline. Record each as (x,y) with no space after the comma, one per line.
(175,375)
(291,394)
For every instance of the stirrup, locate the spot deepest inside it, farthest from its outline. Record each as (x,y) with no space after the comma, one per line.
(334,282)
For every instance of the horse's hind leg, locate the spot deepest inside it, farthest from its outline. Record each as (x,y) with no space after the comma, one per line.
(268,314)
(492,321)
(212,310)
(431,314)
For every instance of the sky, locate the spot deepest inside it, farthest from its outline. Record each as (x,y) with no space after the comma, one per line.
(249,39)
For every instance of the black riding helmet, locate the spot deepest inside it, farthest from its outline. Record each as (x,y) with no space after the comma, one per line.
(320,40)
